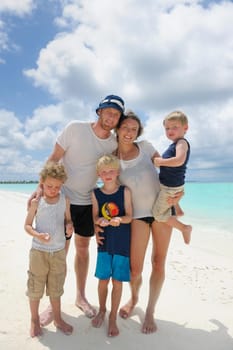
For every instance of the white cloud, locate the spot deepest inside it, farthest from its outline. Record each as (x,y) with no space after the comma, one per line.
(57,116)
(25,146)
(23,152)
(159,55)
(17,7)
(3,37)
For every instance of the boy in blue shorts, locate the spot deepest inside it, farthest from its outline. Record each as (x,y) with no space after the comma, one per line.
(112,211)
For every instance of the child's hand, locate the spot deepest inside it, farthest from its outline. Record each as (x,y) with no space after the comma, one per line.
(157,161)
(116,221)
(102,222)
(44,237)
(175,198)
(69,229)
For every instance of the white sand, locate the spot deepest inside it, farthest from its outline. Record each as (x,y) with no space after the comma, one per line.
(195,309)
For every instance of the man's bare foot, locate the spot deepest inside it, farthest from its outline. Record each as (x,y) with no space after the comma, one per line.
(98,319)
(46,317)
(127,309)
(149,325)
(88,310)
(187,233)
(64,327)
(35,329)
(113,330)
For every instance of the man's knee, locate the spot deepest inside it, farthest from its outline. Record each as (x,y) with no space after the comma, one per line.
(82,246)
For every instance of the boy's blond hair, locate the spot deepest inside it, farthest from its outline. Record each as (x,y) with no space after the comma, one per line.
(108,160)
(176,115)
(54,170)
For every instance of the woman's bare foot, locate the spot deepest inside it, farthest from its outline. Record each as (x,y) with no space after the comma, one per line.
(113,330)
(88,310)
(149,325)
(187,233)
(98,319)
(35,329)
(127,309)
(64,327)
(46,317)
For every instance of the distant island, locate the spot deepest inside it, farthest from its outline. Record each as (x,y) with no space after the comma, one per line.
(19,182)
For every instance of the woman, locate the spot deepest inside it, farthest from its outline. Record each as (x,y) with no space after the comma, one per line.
(140,175)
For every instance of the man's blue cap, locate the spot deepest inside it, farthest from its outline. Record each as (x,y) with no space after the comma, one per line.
(112,101)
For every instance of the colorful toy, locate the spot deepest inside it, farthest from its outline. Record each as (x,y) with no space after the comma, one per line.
(109,210)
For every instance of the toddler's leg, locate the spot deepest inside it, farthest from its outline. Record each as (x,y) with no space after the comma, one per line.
(179,211)
(185,229)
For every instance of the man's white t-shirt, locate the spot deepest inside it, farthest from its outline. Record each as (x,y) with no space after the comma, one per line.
(82,150)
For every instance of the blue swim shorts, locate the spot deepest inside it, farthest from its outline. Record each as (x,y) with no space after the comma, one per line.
(112,266)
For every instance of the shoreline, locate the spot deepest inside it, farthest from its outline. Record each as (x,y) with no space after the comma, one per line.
(194,310)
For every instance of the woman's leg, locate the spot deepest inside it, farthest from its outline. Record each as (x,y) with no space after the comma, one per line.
(161,235)
(140,233)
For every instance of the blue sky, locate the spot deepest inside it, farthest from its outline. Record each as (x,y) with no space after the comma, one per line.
(59,58)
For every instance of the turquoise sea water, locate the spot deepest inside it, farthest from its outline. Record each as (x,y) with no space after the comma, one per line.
(207,203)
(22,188)
(212,201)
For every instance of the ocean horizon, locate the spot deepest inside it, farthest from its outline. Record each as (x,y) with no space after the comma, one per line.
(207,207)
(203,201)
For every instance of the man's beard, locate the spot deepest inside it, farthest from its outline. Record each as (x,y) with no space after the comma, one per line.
(105,126)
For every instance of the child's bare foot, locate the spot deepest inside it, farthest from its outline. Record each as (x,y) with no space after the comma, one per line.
(88,310)
(98,319)
(64,327)
(187,233)
(149,325)
(113,330)
(35,330)
(127,309)
(46,317)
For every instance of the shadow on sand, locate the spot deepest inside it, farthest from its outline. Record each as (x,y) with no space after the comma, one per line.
(169,335)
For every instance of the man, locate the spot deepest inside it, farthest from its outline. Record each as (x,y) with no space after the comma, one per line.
(79,146)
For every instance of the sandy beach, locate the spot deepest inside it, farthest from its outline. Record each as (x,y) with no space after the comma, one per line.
(195,309)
